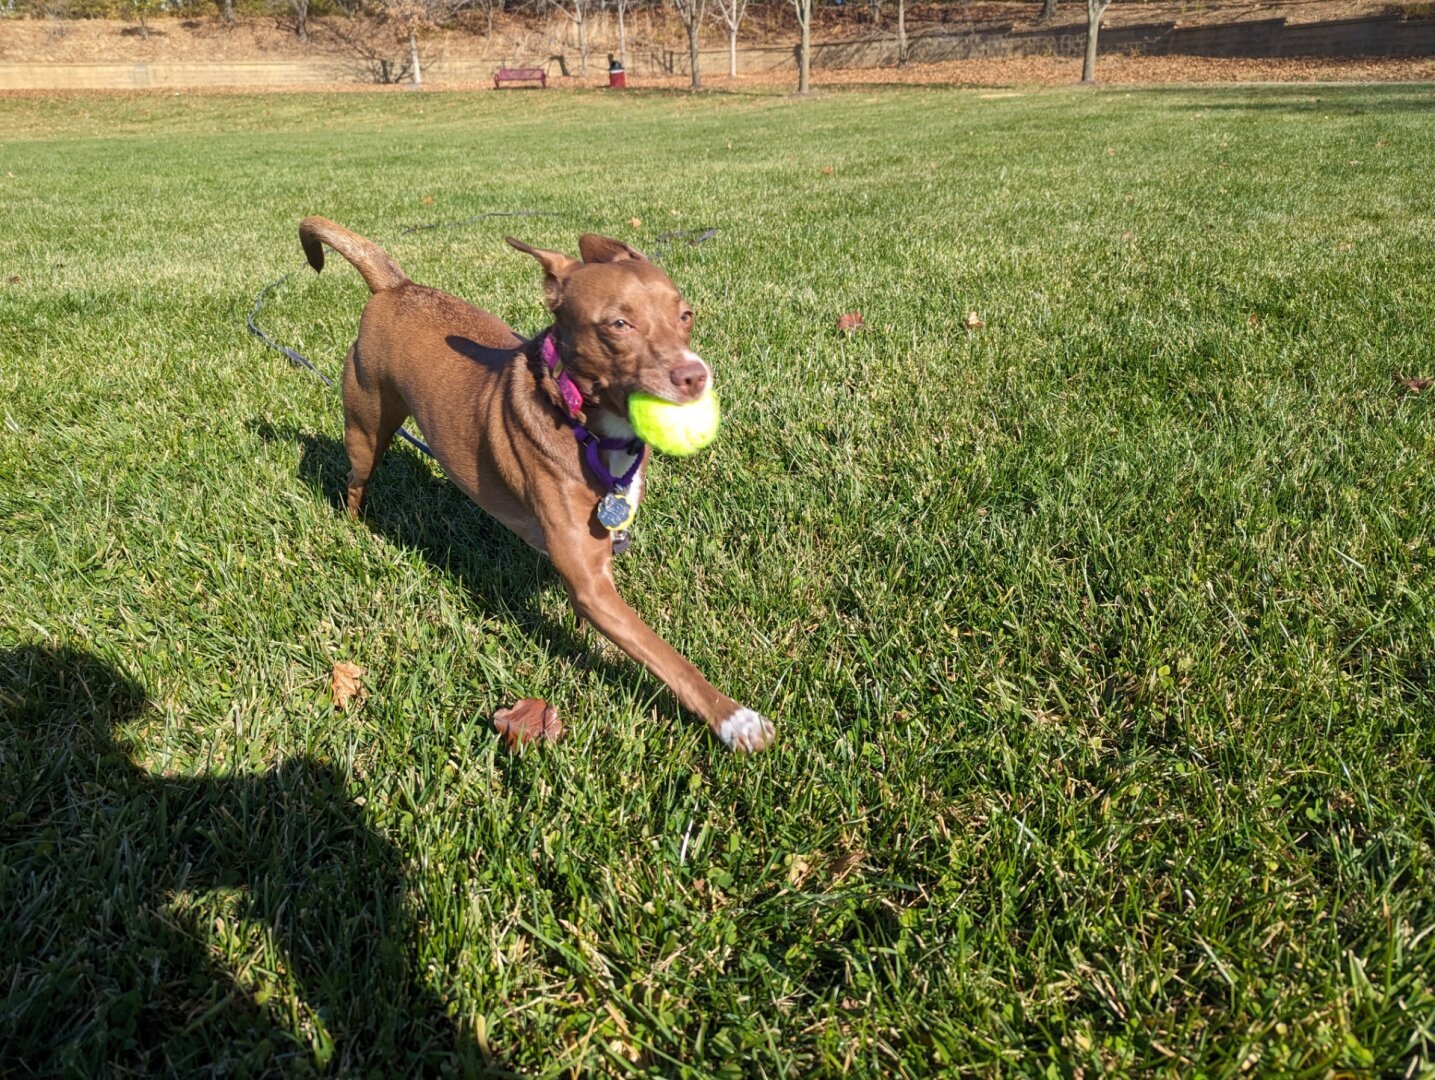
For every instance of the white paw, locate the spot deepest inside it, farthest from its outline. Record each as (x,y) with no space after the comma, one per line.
(746,731)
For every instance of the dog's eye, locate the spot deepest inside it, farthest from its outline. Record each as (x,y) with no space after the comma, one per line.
(621,324)
(686,317)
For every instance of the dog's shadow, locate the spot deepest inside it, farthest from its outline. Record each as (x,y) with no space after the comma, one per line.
(410,506)
(114,882)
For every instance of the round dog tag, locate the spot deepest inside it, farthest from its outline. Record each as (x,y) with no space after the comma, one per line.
(615,511)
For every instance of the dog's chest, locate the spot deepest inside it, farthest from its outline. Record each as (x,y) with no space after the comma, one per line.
(619,462)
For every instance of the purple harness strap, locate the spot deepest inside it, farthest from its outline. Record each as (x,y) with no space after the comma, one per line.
(592,444)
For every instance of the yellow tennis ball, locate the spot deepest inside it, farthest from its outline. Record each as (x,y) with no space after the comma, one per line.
(679,430)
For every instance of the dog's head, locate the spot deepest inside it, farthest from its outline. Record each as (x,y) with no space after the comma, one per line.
(623,327)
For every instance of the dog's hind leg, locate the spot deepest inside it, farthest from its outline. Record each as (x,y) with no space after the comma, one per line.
(371,417)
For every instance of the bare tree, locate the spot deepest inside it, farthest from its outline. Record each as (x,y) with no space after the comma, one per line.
(141,9)
(621,7)
(381,25)
(874,11)
(732,13)
(299,9)
(1048,11)
(411,16)
(804,49)
(1094,10)
(691,13)
(901,31)
(577,12)
(490,8)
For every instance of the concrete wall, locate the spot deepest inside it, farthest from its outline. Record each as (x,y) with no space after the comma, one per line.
(100,76)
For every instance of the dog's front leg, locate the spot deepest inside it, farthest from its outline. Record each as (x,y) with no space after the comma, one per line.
(586,570)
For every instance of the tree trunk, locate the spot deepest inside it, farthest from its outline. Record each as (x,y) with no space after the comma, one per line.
(301,17)
(732,52)
(622,39)
(804,59)
(1094,10)
(1048,11)
(228,12)
(693,52)
(901,31)
(414,57)
(582,50)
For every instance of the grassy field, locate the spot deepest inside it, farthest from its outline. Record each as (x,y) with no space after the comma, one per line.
(1100,640)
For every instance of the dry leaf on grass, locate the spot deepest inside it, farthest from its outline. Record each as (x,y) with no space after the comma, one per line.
(1416,385)
(798,871)
(13,279)
(529,719)
(846,864)
(636,222)
(344,683)
(974,321)
(850,322)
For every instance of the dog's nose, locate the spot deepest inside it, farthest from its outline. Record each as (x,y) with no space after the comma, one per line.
(690,377)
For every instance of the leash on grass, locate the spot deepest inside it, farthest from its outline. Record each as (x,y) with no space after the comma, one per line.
(298,359)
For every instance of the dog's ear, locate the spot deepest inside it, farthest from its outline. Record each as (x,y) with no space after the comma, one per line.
(601,249)
(556,268)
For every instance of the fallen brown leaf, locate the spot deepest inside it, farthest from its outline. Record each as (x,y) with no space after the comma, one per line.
(13,279)
(850,322)
(846,864)
(827,171)
(529,719)
(344,683)
(974,321)
(636,222)
(428,200)
(1417,384)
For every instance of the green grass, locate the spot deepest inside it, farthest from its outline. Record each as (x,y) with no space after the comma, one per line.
(1100,640)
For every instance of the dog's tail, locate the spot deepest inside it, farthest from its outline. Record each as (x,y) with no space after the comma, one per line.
(380,272)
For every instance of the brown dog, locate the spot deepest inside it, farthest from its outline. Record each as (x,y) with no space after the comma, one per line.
(501,415)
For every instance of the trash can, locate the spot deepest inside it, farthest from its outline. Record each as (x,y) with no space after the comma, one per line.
(617,77)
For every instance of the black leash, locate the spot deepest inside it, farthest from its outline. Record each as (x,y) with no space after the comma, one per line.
(298,359)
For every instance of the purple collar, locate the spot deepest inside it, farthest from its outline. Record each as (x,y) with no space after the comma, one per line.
(592,444)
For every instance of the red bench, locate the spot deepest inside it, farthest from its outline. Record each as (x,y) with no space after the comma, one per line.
(503,75)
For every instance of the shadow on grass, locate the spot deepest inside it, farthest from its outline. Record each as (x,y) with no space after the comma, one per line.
(410,506)
(1325,99)
(120,889)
